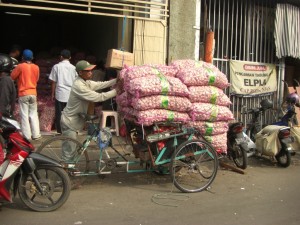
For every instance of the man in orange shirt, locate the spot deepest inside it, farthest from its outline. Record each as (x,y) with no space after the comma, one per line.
(27,76)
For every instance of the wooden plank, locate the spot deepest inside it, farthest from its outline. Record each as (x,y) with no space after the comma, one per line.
(80,12)
(230,167)
(145,9)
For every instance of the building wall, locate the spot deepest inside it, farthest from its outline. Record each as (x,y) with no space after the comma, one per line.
(181,37)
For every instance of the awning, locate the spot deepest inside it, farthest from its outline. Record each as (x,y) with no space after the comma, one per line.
(287,31)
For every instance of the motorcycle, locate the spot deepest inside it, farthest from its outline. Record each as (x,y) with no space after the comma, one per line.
(289,118)
(237,145)
(272,140)
(41,182)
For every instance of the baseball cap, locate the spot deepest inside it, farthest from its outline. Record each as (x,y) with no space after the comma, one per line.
(65,53)
(27,54)
(84,65)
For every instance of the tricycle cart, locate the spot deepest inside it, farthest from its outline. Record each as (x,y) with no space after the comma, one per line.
(165,147)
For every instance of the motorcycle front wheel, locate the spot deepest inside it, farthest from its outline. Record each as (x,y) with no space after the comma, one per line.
(283,158)
(55,184)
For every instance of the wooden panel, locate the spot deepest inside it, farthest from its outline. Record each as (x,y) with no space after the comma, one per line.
(149,43)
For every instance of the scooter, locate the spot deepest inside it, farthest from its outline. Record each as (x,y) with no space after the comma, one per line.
(237,145)
(273,140)
(239,138)
(41,182)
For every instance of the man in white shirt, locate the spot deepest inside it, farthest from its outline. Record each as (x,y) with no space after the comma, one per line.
(83,91)
(62,75)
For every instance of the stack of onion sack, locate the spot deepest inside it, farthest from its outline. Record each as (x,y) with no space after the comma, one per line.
(152,93)
(209,112)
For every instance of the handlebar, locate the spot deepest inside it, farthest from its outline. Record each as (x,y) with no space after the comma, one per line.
(252,111)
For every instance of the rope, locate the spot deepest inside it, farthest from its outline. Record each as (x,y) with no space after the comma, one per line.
(169,196)
(123,37)
(123,32)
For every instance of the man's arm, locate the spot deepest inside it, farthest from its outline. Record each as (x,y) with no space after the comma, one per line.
(53,86)
(101,84)
(84,92)
(53,78)
(15,73)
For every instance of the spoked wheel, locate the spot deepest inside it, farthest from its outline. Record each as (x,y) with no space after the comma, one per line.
(55,184)
(283,158)
(53,149)
(239,156)
(194,166)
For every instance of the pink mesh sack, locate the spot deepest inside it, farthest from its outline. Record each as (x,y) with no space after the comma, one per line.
(156,85)
(210,112)
(209,128)
(150,70)
(148,117)
(208,94)
(219,142)
(199,73)
(181,104)
(123,99)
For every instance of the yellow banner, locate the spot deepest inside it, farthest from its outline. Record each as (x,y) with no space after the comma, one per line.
(252,78)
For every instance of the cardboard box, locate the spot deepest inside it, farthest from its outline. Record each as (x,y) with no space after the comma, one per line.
(117,59)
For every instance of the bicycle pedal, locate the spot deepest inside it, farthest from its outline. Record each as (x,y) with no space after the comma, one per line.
(74,174)
(73,171)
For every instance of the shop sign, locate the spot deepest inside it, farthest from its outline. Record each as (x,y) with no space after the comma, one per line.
(252,78)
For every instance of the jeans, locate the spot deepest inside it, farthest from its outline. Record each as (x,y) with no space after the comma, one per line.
(59,106)
(30,124)
(68,147)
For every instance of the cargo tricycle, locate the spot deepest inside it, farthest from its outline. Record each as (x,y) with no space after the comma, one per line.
(164,147)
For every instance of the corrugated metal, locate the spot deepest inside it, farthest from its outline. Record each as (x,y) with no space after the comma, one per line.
(152,10)
(244,30)
(287,31)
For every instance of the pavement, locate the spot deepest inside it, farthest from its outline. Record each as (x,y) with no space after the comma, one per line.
(265,194)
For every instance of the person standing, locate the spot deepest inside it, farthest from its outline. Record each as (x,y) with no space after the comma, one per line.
(83,91)
(15,53)
(27,75)
(7,86)
(62,76)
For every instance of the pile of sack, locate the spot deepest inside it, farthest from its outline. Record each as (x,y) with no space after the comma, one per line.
(152,93)
(186,91)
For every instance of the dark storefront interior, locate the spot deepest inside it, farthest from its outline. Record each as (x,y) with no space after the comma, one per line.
(47,32)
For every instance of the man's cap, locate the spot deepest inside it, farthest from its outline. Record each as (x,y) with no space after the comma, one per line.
(84,65)
(66,54)
(27,54)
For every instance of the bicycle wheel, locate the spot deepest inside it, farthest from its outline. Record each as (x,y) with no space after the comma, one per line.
(194,166)
(53,149)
